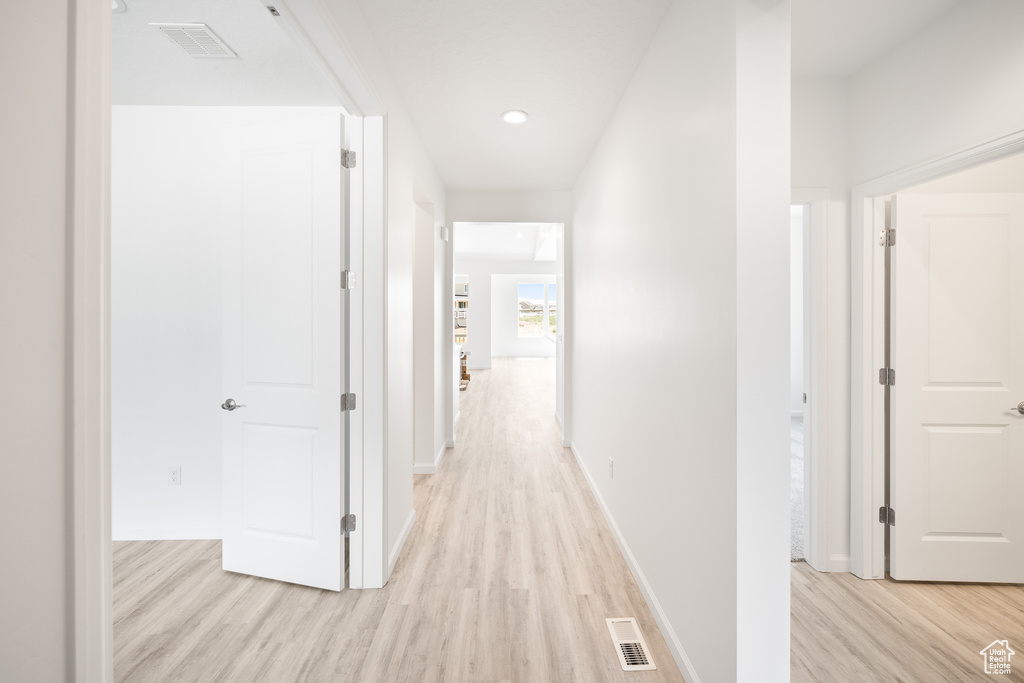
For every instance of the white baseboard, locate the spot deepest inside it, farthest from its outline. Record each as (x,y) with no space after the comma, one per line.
(558,419)
(456,423)
(431,469)
(400,543)
(167,533)
(839,563)
(682,660)
(796,413)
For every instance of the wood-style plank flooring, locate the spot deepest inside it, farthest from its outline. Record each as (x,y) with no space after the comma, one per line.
(507,575)
(847,629)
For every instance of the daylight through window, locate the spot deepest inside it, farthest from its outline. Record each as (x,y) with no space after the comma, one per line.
(537,310)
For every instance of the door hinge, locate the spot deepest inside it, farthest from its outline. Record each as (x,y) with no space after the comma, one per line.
(348,279)
(348,402)
(887,238)
(348,159)
(805,397)
(887,377)
(886,515)
(348,524)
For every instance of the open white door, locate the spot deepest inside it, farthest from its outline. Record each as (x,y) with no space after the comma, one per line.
(956,436)
(283,447)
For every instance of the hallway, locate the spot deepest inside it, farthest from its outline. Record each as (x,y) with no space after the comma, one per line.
(507,575)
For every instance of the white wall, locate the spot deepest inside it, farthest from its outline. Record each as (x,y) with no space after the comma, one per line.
(686,202)
(954,84)
(167,175)
(478,206)
(762,340)
(442,333)
(504,319)
(33,386)
(1005,175)
(796,311)
(480,342)
(429,322)
(423,337)
(410,173)
(820,152)
(474,206)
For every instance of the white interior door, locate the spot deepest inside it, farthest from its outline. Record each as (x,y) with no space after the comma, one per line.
(283,451)
(956,438)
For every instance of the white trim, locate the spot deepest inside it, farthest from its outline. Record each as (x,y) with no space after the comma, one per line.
(90,590)
(168,533)
(816,453)
(396,552)
(838,563)
(432,468)
(678,653)
(89,598)
(310,25)
(567,330)
(354,342)
(372,405)
(867,418)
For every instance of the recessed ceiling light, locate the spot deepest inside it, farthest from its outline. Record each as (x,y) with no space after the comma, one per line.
(118,5)
(514,116)
(519,235)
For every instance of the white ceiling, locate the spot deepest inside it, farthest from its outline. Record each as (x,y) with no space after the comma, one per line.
(270,69)
(504,241)
(460,63)
(836,38)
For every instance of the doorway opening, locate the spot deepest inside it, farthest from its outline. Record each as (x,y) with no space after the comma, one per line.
(935,506)
(799,222)
(228,231)
(508,299)
(968,173)
(952,246)
(809,457)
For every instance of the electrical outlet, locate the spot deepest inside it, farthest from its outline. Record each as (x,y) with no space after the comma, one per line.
(611,468)
(174,475)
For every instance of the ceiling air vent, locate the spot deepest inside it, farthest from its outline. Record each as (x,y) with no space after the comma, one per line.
(196,39)
(630,645)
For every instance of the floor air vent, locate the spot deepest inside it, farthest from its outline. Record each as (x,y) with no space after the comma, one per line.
(630,645)
(196,39)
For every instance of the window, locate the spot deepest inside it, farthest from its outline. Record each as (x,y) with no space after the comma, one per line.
(552,299)
(537,310)
(531,310)
(461,310)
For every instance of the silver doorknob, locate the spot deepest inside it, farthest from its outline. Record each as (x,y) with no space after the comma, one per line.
(231,405)
(1019,408)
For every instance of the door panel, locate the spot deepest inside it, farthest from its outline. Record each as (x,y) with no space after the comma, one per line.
(956,447)
(283,467)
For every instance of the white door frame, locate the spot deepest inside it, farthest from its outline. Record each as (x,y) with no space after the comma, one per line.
(565,315)
(89,599)
(817,552)
(867,351)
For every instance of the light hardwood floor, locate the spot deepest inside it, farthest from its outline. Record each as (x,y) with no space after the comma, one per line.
(846,629)
(507,575)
